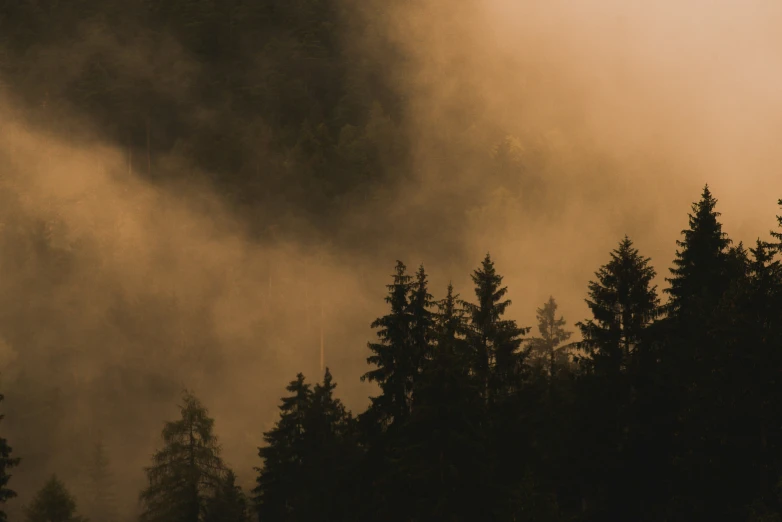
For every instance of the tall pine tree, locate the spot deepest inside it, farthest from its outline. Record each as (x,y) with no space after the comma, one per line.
(700,271)
(443,451)
(279,490)
(623,303)
(307,457)
(421,325)
(495,342)
(394,356)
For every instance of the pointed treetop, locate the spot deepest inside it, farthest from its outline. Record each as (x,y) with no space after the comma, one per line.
(702,258)
(551,328)
(623,303)
(328,384)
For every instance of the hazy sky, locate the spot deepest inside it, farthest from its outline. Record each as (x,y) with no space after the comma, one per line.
(627,109)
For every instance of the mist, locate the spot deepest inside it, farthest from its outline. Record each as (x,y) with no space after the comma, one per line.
(539,132)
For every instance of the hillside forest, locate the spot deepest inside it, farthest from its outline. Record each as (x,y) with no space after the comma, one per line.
(318,159)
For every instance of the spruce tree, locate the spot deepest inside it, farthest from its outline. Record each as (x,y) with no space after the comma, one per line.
(623,303)
(6,463)
(188,471)
(442,453)
(278,491)
(499,367)
(741,392)
(393,355)
(53,503)
(421,324)
(306,457)
(699,275)
(552,335)
(328,453)
(495,342)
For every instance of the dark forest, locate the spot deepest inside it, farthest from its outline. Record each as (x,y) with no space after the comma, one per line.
(213,212)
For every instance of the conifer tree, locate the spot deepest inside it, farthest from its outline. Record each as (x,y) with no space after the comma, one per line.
(188,471)
(552,334)
(623,303)
(6,463)
(328,453)
(278,492)
(700,272)
(700,363)
(745,357)
(393,355)
(306,459)
(421,323)
(53,503)
(443,452)
(229,503)
(495,342)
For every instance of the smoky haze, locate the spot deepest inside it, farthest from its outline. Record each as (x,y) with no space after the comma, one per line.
(540,132)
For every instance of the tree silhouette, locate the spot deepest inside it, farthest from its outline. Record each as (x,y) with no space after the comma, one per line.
(53,503)
(187,471)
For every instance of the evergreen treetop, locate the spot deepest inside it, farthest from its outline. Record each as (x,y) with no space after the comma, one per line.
(623,302)
(699,270)
(394,355)
(552,334)
(495,342)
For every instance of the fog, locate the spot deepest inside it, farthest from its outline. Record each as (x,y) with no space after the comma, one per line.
(606,118)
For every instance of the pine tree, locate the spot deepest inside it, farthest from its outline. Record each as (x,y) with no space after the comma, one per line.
(188,471)
(328,453)
(697,360)
(623,303)
(102,506)
(450,329)
(229,503)
(6,463)
(308,454)
(442,452)
(494,341)
(699,275)
(278,493)
(421,324)
(745,357)
(552,334)
(394,355)
(53,503)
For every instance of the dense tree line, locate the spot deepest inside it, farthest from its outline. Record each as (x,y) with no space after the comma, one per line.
(662,411)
